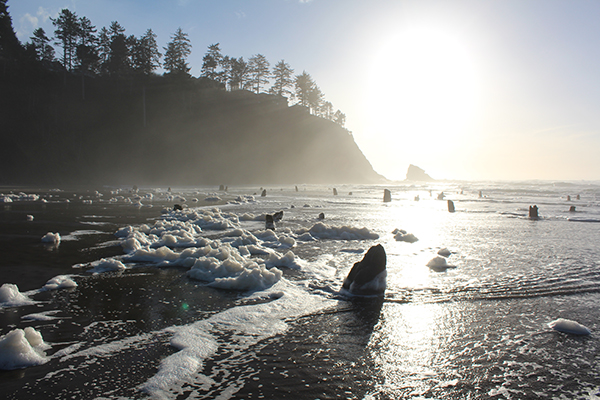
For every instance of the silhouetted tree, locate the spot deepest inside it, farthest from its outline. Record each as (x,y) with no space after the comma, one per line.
(211,61)
(282,73)
(176,53)
(67,32)
(339,118)
(10,47)
(41,43)
(118,62)
(87,58)
(145,54)
(259,71)
(304,86)
(103,49)
(327,110)
(236,72)
(315,99)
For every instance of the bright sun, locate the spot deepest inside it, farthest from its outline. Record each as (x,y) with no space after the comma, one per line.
(423,95)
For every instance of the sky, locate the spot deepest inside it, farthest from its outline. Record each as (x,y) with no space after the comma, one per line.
(466,90)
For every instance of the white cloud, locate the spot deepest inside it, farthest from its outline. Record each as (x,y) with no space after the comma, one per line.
(43,13)
(30,20)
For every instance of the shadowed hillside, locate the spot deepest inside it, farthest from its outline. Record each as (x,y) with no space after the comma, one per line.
(61,129)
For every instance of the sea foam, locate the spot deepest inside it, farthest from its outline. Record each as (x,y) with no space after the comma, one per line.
(21,348)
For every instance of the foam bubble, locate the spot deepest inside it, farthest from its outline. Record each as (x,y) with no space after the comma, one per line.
(22,348)
(51,237)
(569,326)
(60,282)
(11,296)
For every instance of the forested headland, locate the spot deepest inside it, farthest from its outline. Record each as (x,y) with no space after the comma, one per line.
(95,110)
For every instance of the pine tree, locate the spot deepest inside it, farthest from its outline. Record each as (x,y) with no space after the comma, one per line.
(41,43)
(212,60)
(176,53)
(304,86)
(67,32)
(145,54)
(282,73)
(259,71)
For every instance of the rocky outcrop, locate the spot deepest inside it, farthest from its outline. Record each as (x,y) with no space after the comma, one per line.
(415,173)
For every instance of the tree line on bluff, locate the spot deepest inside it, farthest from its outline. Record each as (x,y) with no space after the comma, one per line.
(101,113)
(110,52)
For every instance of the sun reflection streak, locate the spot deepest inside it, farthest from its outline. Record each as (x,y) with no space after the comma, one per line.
(408,346)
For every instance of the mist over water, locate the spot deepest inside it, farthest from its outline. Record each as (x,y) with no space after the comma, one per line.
(476,329)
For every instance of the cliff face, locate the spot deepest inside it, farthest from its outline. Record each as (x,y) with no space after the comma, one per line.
(160,131)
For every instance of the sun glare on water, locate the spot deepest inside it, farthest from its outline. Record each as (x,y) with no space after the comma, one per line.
(422,97)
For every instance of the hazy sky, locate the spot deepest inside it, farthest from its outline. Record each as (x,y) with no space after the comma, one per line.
(487,89)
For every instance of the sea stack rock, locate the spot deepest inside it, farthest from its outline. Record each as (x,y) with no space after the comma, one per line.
(368,276)
(335,192)
(387,196)
(264,193)
(415,173)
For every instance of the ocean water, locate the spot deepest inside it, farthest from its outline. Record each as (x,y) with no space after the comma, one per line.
(206,303)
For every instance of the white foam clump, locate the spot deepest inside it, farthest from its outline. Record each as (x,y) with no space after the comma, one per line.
(59,282)
(51,237)
(569,326)
(29,217)
(323,231)
(11,296)
(21,348)
(5,199)
(439,263)
(402,236)
(106,265)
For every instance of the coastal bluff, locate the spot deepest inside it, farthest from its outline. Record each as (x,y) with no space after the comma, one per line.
(82,130)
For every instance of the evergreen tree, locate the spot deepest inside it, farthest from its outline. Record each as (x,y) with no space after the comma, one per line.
(103,49)
(282,73)
(87,58)
(211,61)
(304,86)
(339,118)
(327,110)
(67,32)
(145,54)
(10,47)
(118,62)
(236,72)
(176,53)
(259,71)
(41,43)
(315,100)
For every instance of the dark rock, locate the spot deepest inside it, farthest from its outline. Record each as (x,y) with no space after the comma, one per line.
(450,206)
(533,212)
(322,216)
(572,209)
(177,207)
(278,216)
(415,173)
(269,223)
(367,277)
(387,196)
(264,193)
(335,192)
